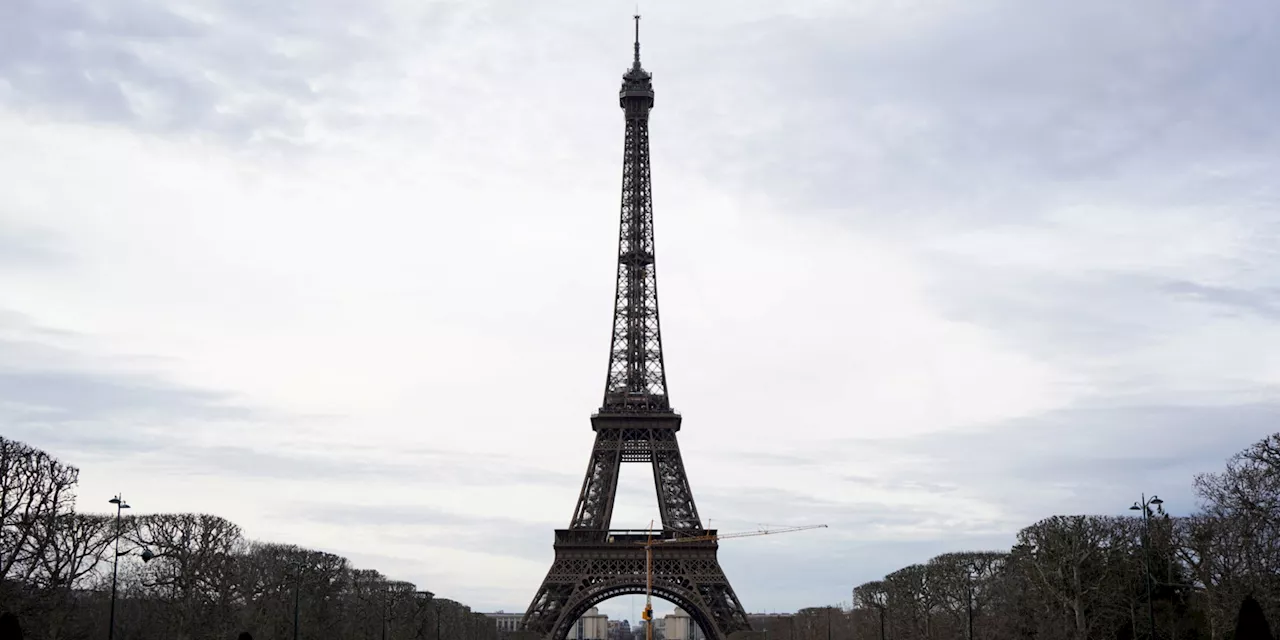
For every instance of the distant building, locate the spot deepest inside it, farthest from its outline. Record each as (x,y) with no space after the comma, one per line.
(660,628)
(506,622)
(592,626)
(679,626)
(619,630)
(776,626)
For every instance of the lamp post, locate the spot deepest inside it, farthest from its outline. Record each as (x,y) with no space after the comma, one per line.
(433,604)
(297,596)
(424,597)
(1145,507)
(386,609)
(115,565)
(968,583)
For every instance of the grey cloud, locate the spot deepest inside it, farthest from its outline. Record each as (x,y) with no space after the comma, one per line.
(91,415)
(772,459)
(494,535)
(1263,301)
(1074,314)
(777,507)
(413,466)
(65,396)
(52,397)
(992,110)
(900,484)
(1086,459)
(733,510)
(235,69)
(1083,459)
(25,247)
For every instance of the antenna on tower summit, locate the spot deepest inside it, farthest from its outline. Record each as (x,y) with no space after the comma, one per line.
(637,17)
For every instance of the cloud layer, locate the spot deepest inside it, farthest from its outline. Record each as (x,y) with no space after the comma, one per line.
(929,272)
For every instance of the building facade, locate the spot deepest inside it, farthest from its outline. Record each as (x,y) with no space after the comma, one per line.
(506,622)
(620,630)
(679,626)
(592,626)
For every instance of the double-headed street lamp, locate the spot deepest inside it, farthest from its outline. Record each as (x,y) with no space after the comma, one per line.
(115,565)
(1145,507)
(147,556)
(429,602)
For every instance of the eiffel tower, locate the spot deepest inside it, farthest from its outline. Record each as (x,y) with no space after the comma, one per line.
(635,424)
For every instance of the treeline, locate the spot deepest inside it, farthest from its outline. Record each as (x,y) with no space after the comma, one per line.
(1087,577)
(187,576)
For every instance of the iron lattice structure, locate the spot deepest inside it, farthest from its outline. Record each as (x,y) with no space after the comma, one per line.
(635,423)
(637,379)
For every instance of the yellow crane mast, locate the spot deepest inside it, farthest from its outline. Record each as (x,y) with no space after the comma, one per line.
(647,614)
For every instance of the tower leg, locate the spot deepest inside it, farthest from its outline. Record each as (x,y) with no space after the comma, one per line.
(675,498)
(600,487)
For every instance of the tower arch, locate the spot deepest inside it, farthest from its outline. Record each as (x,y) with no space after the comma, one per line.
(674,594)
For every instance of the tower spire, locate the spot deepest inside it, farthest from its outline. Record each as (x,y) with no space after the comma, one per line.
(636,64)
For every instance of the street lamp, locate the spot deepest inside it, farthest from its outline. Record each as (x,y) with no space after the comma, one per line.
(424,597)
(968,585)
(386,609)
(1144,506)
(115,565)
(430,603)
(297,595)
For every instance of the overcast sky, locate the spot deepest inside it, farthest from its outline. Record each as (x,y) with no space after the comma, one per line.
(342,272)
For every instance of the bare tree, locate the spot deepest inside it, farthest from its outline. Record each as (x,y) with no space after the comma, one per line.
(1074,561)
(1091,577)
(67,547)
(199,578)
(961,583)
(193,574)
(913,602)
(34,487)
(1244,503)
(1249,487)
(873,597)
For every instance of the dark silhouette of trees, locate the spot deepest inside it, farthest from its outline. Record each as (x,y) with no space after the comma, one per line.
(202,581)
(1084,577)
(1068,577)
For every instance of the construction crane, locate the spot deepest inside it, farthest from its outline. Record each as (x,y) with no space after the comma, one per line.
(647,614)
